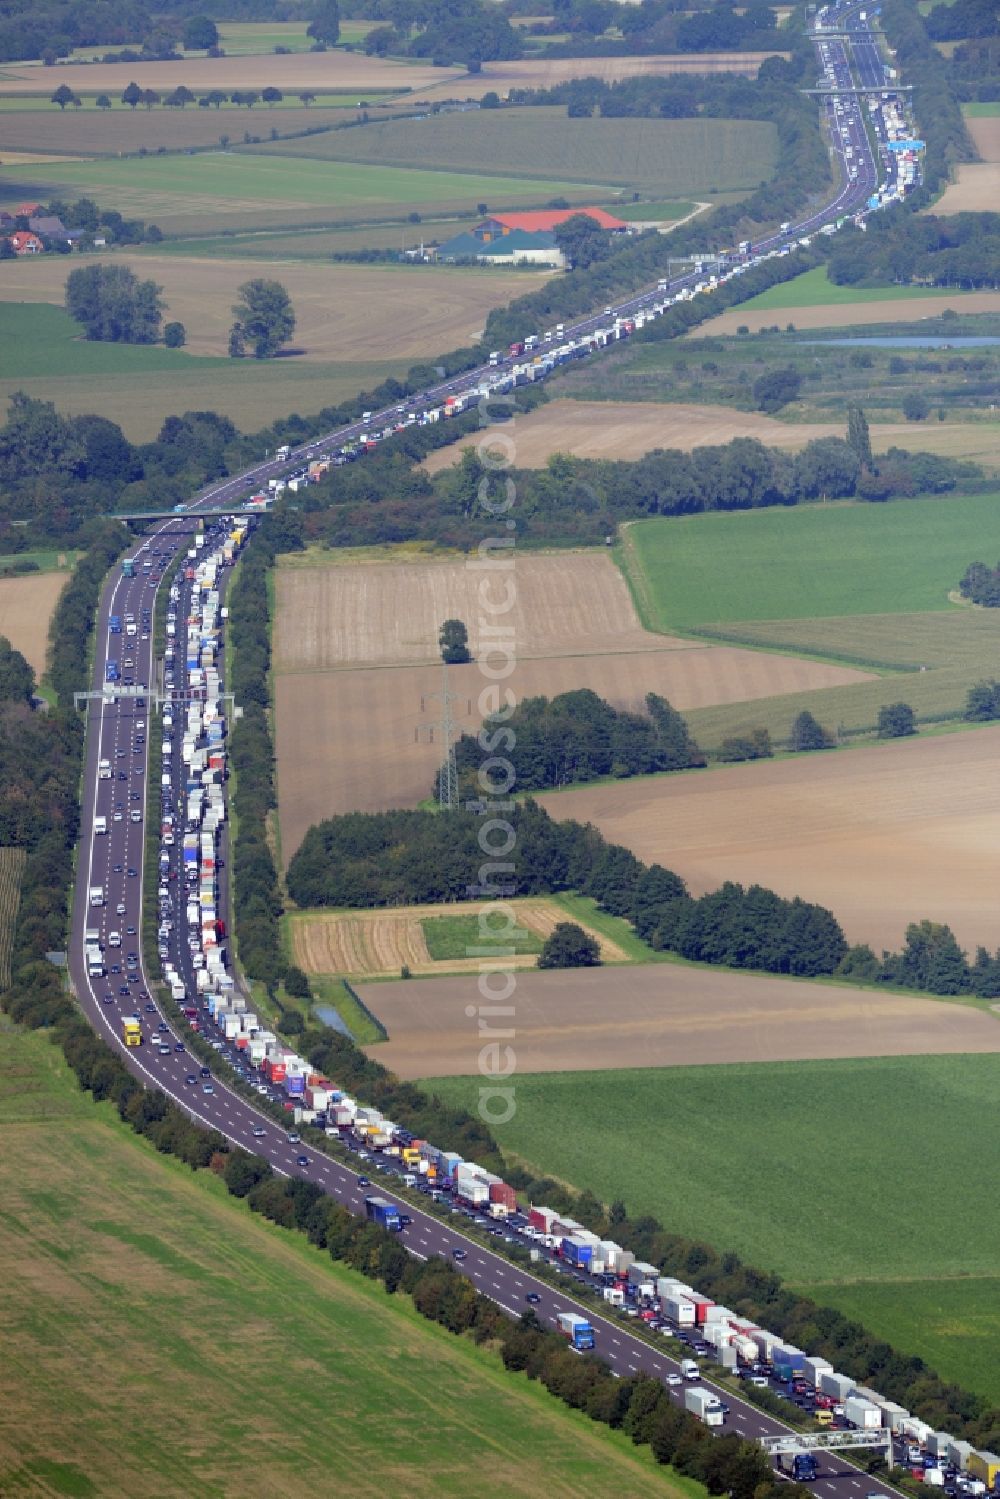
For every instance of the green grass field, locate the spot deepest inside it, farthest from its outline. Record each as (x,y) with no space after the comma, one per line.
(815,289)
(454,936)
(666,157)
(807,562)
(826,1172)
(225,182)
(158,1339)
(986,111)
(139,387)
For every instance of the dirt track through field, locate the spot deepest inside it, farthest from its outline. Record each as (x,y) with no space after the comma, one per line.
(663,1015)
(627,429)
(883,835)
(369,739)
(370,944)
(343,312)
(859,314)
(26,606)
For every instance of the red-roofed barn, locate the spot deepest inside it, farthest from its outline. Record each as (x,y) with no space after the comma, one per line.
(543,220)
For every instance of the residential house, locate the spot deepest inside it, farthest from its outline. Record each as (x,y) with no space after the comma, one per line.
(25,210)
(26,243)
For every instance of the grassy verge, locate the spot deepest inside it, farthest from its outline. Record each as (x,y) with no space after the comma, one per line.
(329,990)
(232,1326)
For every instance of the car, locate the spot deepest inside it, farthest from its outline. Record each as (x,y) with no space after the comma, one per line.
(293,1138)
(121,908)
(303,1160)
(118,868)
(164,1051)
(108,999)
(133,874)
(179,1046)
(206,1072)
(674,1380)
(115,968)
(363,1181)
(458,1254)
(532,1298)
(124,989)
(208,1087)
(874,1494)
(259,1132)
(162,1026)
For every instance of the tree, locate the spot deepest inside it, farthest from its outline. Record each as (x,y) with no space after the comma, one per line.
(102,101)
(216,97)
(7,251)
(307,98)
(113,305)
(569,946)
(237,348)
(180,97)
(582,241)
(17,680)
(895,720)
(776,389)
(982,703)
(271,96)
(808,734)
(150,97)
(62,96)
(132,94)
(175,335)
(916,407)
(325,24)
(454,642)
(200,33)
(264,316)
(859,437)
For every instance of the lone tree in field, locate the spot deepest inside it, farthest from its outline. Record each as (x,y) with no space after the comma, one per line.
(325,24)
(264,317)
(809,734)
(175,335)
(569,946)
(916,407)
(454,642)
(103,101)
(896,720)
(113,306)
(63,96)
(132,94)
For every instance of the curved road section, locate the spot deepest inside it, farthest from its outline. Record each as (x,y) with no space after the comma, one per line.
(109,893)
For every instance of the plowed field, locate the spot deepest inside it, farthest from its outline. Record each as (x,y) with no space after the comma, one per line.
(371,944)
(26,606)
(883,835)
(663,1015)
(977,185)
(370,739)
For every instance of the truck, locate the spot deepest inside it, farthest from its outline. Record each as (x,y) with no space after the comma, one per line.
(705,1404)
(97,895)
(862,1413)
(115,624)
(383,1212)
(284,451)
(100,825)
(95,960)
(690,1369)
(132,1030)
(577,1329)
(128,567)
(799,1464)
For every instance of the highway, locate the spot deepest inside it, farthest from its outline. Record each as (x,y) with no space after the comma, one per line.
(118,733)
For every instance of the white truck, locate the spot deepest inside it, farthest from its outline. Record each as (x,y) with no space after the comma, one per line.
(104,770)
(100,825)
(97,895)
(704,1404)
(690,1369)
(95,960)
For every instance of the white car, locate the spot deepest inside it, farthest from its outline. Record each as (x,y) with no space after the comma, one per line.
(674,1380)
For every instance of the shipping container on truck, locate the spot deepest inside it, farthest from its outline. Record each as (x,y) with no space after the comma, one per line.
(814,1369)
(705,1404)
(577,1329)
(837,1386)
(799,1465)
(985,1466)
(639,1270)
(863,1414)
(383,1212)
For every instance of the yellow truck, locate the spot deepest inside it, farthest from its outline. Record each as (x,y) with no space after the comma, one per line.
(132,1031)
(984,1465)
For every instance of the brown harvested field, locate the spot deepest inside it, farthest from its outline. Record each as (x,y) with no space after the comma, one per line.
(858,314)
(883,835)
(327,72)
(985,133)
(365,739)
(663,1015)
(977,185)
(31,135)
(344,312)
(26,606)
(627,429)
(373,944)
(542,73)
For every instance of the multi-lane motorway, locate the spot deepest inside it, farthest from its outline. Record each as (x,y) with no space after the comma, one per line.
(118,734)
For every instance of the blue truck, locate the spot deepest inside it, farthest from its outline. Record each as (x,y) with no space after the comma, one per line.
(111,671)
(799,1465)
(115,624)
(384,1213)
(577,1329)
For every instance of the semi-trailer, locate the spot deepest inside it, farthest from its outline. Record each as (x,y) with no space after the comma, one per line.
(384,1213)
(863,1414)
(704,1404)
(577,1329)
(799,1465)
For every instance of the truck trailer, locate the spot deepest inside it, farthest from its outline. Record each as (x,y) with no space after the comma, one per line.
(577,1329)
(383,1212)
(705,1404)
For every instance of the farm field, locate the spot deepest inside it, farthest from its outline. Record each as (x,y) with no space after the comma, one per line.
(354,723)
(140,1285)
(976,187)
(801,1133)
(668,157)
(345,313)
(310,244)
(138,387)
(664,1015)
(99,132)
(427,939)
(905,556)
(623,429)
(334,71)
(886,309)
(883,835)
(26,606)
(12,862)
(815,289)
(222,189)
